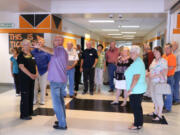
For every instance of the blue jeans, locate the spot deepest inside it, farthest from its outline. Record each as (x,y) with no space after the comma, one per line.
(169,97)
(70,74)
(176,87)
(111,70)
(57,95)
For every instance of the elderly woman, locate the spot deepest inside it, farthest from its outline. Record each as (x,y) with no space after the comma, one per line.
(124,61)
(158,75)
(136,86)
(28,73)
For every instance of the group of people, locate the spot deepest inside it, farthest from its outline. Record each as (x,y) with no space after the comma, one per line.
(157,72)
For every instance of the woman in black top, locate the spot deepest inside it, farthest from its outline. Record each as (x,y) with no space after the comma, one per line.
(123,63)
(28,73)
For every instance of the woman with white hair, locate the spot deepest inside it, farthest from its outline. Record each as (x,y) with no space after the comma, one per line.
(28,74)
(136,86)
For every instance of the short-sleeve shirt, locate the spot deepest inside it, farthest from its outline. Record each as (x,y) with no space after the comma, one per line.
(171,60)
(156,67)
(42,60)
(137,67)
(112,55)
(28,62)
(15,65)
(57,66)
(101,60)
(72,56)
(89,56)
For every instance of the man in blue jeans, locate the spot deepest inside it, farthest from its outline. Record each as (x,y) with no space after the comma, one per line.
(171,60)
(111,57)
(57,76)
(176,52)
(72,61)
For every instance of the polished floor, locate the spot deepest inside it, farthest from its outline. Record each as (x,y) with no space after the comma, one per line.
(80,121)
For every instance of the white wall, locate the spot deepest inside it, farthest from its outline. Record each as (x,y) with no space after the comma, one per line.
(174,37)
(7,17)
(5,73)
(156,32)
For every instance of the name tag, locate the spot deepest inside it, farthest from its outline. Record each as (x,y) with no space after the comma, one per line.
(91,54)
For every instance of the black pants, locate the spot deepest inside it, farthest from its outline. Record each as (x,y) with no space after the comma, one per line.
(27,96)
(135,102)
(77,78)
(17,83)
(88,75)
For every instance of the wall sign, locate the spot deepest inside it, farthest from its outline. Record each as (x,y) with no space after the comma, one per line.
(15,39)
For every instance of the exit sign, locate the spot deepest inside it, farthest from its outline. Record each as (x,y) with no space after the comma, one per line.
(6,25)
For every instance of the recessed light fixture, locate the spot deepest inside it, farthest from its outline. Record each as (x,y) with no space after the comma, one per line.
(128,36)
(101,21)
(110,29)
(128,32)
(129,26)
(116,37)
(115,34)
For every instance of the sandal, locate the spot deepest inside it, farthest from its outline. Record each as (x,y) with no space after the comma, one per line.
(157,119)
(152,115)
(123,104)
(114,103)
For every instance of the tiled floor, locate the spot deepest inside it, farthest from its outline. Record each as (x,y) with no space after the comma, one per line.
(81,122)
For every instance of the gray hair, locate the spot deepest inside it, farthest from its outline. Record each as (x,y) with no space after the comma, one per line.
(136,49)
(26,41)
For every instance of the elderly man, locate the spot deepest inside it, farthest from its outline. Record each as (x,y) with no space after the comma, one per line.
(72,61)
(111,57)
(57,75)
(88,64)
(171,60)
(42,60)
(176,52)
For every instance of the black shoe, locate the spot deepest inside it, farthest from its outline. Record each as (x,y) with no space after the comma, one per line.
(84,92)
(106,83)
(56,123)
(61,128)
(26,118)
(111,90)
(91,93)
(176,103)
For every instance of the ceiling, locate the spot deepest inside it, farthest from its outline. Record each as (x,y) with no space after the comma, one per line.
(147,23)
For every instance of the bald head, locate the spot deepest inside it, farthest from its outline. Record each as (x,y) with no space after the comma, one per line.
(174,45)
(58,41)
(88,44)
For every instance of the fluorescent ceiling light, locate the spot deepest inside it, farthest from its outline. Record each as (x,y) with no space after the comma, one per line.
(126,26)
(128,32)
(101,21)
(128,36)
(114,34)
(110,29)
(116,37)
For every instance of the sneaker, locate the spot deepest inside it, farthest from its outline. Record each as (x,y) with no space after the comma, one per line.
(84,92)
(166,111)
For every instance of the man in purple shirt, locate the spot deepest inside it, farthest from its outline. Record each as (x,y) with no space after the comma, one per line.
(58,77)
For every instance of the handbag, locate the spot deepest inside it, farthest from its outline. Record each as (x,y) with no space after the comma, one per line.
(162,88)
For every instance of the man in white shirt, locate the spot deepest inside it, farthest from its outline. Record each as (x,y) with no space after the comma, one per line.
(176,51)
(72,61)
